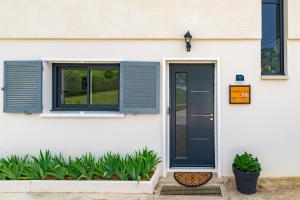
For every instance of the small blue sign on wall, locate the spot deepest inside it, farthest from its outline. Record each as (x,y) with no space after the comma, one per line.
(239,77)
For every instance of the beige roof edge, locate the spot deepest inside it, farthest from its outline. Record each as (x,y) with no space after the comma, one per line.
(118,38)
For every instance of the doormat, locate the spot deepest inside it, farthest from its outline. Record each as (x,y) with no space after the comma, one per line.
(185,191)
(192,179)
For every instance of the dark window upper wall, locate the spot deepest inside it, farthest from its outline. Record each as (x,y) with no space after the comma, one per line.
(272,44)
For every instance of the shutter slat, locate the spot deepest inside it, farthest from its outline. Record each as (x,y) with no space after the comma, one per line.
(23,86)
(140,87)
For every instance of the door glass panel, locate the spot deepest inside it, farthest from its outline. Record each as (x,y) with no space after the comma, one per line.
(74,86)
(181,114)
(105,87)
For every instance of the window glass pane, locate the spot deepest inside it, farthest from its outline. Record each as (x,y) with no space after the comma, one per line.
(105,86)
(271,39)
(181,118)
(74,86)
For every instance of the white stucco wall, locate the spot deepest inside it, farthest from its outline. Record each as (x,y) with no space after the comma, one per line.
(129,19)
(268,127)
(118,19)
(293,15)
(147,31)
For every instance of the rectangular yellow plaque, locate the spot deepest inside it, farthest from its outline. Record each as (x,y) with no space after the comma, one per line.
(239,94)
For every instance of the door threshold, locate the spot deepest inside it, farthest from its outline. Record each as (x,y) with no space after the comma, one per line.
(192,169)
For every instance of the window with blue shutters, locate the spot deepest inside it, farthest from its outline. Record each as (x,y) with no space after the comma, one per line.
(128,87)
(22,86)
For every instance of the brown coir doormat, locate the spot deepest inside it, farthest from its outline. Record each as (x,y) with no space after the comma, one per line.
(192,179)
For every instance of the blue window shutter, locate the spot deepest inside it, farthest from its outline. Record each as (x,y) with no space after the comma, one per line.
(23,86)
(140,87)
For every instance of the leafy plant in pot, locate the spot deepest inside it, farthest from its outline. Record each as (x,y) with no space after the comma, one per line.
(246,169)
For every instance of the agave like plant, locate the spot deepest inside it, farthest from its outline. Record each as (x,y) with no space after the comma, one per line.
(39,166)
(32,171)
(89,164)
(57,167)
(134,166)
(141,164)
(43,160)
(151,160)
(12,168)
(120,171)
(107,165)
(81,168)
(45,166)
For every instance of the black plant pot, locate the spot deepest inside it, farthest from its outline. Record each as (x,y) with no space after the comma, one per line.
(245,182)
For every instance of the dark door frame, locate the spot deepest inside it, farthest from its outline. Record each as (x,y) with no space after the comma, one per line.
(166,116)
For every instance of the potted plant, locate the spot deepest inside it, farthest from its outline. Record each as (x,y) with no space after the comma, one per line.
(246,169)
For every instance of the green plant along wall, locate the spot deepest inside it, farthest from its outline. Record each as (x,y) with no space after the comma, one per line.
(137,166)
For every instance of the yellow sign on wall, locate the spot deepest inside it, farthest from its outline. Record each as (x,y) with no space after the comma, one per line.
(239,94)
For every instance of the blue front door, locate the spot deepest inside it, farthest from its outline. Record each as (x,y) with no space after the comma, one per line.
(192,115)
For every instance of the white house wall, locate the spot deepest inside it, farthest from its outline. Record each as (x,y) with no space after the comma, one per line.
(129,19)
(148,31)
(293,7)
(268,127)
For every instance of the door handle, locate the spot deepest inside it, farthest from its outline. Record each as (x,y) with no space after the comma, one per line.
(207,115)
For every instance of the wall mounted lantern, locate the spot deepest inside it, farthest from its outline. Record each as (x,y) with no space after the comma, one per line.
(188,38)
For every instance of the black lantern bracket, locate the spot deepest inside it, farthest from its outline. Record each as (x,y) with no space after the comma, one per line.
(188,37)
